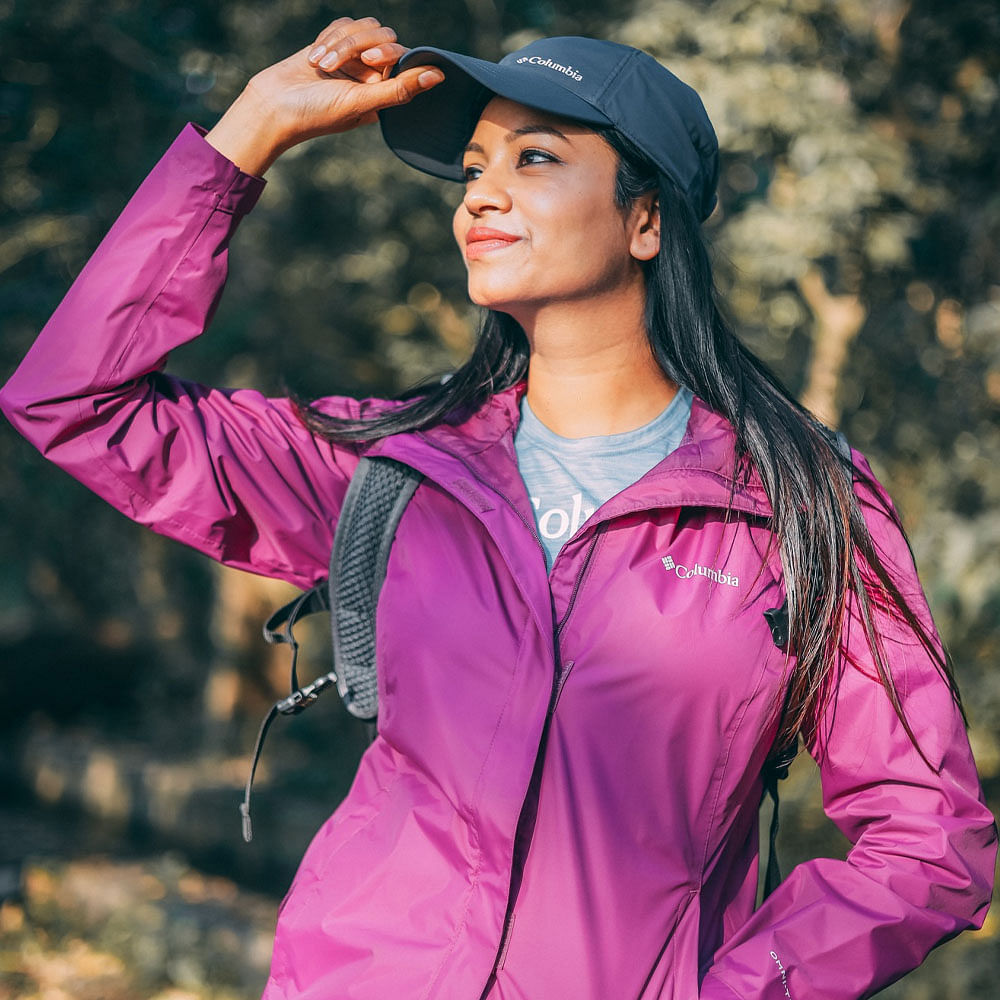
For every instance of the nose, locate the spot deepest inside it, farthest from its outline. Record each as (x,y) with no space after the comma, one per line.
(486,193)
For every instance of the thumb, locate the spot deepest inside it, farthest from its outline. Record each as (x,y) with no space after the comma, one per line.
(399,89)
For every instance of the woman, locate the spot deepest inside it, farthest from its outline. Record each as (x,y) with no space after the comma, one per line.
(575,709)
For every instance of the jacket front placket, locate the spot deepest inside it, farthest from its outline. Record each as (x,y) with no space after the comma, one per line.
(484,478)
(486,481)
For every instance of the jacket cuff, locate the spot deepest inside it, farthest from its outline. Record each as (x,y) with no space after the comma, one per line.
(206,169)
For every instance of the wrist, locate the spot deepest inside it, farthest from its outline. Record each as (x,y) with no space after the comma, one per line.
(247,134)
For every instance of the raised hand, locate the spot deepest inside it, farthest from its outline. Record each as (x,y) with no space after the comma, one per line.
(338,82)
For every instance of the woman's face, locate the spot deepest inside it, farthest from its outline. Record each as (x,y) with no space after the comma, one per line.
(539,224)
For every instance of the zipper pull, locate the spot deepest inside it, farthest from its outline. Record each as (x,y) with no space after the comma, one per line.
(561,678)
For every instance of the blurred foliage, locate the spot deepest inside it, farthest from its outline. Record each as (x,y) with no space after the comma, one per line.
(859,226)
(150,928)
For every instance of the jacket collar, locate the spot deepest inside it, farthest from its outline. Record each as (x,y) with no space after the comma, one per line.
(475,458)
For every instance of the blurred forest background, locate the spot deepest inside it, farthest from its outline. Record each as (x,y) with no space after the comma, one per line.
(857,241)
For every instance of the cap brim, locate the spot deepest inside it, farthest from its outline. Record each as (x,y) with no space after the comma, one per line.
(432,131)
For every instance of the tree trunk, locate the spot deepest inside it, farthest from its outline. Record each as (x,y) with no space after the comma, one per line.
(839,319)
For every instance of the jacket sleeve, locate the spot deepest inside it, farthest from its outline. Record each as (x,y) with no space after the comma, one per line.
(924,845)
(231,473)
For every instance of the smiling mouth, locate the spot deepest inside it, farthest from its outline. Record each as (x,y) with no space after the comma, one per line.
(480,242)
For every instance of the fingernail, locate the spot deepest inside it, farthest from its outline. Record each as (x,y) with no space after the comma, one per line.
(317,53)
(429,77)
(371,53)
(327,61)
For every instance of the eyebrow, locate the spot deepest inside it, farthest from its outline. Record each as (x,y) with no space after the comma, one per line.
(529,129)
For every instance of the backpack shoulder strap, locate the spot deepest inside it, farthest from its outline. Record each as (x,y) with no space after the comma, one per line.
(379,492)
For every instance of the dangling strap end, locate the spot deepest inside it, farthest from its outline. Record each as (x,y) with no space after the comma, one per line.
(245,804)
(247,825)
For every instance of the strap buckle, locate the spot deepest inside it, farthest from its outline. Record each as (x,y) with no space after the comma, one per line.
(301,698)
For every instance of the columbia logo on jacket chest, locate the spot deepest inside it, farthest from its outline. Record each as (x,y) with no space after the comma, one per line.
(687,572)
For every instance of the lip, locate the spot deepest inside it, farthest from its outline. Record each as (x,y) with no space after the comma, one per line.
(481,240)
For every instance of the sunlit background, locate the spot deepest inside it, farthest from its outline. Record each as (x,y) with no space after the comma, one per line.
(856,241)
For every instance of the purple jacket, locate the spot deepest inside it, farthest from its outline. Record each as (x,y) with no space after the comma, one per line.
(562,798)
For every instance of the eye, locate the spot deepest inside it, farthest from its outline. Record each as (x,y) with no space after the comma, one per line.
(528,157)
(531,156)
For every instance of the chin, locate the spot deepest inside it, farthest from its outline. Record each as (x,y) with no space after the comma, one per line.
(489,300)
(496,295)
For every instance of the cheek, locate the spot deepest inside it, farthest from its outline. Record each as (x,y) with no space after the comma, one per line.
(592,235)
(458,227)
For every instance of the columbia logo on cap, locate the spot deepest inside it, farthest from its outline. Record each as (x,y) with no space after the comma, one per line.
(539,61)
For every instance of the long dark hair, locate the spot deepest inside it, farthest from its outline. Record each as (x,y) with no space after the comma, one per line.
(827,553)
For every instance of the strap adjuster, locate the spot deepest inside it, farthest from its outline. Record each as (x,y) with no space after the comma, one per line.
(300,699)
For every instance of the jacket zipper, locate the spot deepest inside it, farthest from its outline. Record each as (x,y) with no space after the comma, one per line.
(578,583)
(522,837)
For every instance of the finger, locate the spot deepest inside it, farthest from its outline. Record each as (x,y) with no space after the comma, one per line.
(343,26)
(331,27)
(358,72)
(387,54)
(379,62)
(345,50)
(398,90)
(347,42)
(334,30)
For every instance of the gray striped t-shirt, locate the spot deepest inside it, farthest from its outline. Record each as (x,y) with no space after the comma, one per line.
(569,478)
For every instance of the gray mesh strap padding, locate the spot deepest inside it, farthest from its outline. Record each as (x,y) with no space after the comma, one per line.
(379,492)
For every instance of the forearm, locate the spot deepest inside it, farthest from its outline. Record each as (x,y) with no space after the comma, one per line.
(248,134)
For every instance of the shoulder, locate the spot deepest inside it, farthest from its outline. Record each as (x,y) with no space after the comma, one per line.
(352,408)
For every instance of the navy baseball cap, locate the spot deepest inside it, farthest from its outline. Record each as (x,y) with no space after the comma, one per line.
(594,82)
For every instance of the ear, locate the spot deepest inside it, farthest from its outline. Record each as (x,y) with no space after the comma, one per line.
(645,223)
